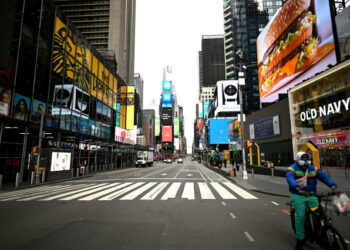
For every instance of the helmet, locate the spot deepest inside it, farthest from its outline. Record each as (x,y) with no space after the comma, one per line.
(301,162)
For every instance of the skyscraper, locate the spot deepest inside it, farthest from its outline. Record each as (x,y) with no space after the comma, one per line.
(243,21)
(211,60)
(109,26)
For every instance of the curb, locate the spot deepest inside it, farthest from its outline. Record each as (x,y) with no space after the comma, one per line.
(227,176)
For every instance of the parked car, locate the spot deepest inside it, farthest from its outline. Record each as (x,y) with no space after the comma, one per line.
(169,161)
(180,160)
(165,160)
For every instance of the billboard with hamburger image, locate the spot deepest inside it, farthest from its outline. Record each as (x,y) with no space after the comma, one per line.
(296,44)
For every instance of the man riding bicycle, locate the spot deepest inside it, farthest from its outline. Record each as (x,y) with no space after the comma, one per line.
(302,179)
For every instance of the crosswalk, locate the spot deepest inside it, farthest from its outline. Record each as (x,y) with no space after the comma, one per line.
(127,191)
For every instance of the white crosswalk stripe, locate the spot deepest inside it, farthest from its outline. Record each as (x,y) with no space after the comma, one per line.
(128,191)
(151,195)
(139,191)
(72,192)
(120,192)
(99,194)
(206,194)
(222,191)
(241,192)
(172,191)
(188,192)
(72,197)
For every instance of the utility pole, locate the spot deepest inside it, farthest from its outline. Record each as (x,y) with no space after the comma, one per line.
(241,83)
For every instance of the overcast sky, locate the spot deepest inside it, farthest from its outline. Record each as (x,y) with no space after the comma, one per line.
(169,33)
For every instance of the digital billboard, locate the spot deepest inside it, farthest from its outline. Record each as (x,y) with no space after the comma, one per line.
(265,128)
(167,133)
(167,86)
(60,161)
(342,21)
(126,136)
(167,116)
(218,131)
(130,108)
(295,45)
(167,100)
(176,126)
(157,127)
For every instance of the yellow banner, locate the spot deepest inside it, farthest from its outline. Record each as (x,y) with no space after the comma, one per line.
(130,107)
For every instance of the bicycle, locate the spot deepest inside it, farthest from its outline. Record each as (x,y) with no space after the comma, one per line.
(322,232)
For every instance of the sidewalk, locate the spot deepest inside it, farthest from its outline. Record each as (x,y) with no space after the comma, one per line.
(274,185)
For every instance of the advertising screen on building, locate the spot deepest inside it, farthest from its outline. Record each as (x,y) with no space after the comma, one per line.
(167,116)
(130,101)
(126,136)
(218,131)
(265,128)
(157,127)
(60,161)
(295,45)
(167,133)
(176,126)
(167,100)
(167,85)
(342,21)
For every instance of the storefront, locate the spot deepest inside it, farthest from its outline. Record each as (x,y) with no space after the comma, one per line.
(319,111)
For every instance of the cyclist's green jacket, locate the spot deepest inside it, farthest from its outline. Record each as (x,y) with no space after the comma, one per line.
(295,172)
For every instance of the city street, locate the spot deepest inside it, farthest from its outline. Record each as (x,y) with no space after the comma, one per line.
(167,206)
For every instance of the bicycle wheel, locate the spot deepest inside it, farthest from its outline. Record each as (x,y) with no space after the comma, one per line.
(333,239)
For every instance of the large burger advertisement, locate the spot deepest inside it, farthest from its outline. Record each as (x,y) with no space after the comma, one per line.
(295,45)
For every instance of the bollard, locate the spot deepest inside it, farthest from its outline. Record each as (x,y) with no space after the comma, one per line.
(272,172)
(252,172)
(0,181)
(43,176)
(71,173)
(17,180)
(83,172)
(77,172)
(32,178)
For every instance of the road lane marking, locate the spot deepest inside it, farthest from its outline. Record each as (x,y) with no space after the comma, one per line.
(346,241)
(151,195)
(156,172)
(72,192)
(233,216)
(179,172)
(72,197)
(223,203)
(102,193)
(25,191)
(164,174)
(189,175)
(250,238)
(204,189)
(172,191)
(138,191)
(275,203)
(188,192)
(120,192)
(241,192)
(226,195)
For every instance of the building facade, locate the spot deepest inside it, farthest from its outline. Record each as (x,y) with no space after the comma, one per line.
(212,61)
(148,122)
(55,80)
(109,26)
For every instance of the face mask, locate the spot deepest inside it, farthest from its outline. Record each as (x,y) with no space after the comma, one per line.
(304,162)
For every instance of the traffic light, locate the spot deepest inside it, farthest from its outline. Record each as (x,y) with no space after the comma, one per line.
(249,144)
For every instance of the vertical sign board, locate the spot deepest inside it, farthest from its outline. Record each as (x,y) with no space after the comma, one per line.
(167,100)
(167,133)
(123,107)
(176,126)
(117,119)
(157,127)
(130,108)
(218,131)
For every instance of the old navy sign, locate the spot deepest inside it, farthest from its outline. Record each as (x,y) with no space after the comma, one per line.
(325,110)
